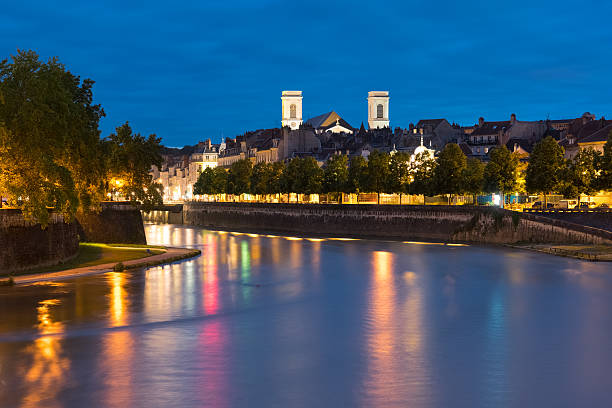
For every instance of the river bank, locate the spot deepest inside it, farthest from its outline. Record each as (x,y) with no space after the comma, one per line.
(169,255)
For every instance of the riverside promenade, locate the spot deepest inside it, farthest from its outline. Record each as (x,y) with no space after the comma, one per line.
(170,255)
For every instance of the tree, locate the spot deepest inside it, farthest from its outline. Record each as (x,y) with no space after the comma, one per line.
(378,173)
(357,174)
(399,173)
(580,175)
(204,183)
(239,177)
(50,151)
(501,173)
(335,174)
(422,170)
(130,158)
(302,176)
(276,178)
(260,178)
(546,167)
(473,177)
(605,178)
(449,172)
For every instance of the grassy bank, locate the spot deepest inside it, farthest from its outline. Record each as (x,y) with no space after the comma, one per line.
(578,251)
(91,254)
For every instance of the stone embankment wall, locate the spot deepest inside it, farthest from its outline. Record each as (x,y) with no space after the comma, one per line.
(26,245)
(432,223)
(596,219)
(115,224)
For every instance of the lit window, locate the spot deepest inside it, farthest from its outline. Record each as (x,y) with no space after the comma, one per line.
(379,111)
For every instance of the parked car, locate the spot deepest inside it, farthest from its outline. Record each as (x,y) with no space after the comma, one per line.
(603,205)
(585,205)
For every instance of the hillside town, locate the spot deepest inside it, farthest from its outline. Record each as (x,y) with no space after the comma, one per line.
(328,134)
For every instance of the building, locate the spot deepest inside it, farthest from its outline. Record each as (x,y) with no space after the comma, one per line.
(596,140)
(181,169)
(378,109)
(330,122)
(291,109)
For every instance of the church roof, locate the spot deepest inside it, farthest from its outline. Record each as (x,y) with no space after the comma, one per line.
(432,122)
(324,120)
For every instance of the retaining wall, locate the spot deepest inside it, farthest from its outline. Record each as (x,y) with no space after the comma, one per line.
(432,223)
(595,218)
(115,224)
(26,245)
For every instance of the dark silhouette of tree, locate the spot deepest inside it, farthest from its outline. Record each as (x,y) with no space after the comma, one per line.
(335,175)
(357,175)
(546,168)
(239,177)
(378,173)
(449,172)
(501,172)
(473,177)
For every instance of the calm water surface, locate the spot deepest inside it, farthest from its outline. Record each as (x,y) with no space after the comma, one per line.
(280,321)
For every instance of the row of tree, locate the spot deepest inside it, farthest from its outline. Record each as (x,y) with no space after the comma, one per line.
(51,152)
(451,173)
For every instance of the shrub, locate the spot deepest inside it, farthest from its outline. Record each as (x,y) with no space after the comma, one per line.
(119,267)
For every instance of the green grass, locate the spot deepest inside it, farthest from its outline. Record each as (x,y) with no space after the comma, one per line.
(97,254)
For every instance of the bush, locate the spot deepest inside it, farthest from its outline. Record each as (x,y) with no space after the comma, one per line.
(119,267)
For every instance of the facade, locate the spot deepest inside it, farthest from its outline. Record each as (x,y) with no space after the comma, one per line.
(597,140)
(378,109)
(180,173)
(291,109)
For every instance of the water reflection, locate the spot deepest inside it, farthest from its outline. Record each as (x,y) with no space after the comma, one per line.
(48,370)
(262,320)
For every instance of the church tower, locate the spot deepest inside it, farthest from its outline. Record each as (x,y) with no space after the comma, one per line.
(378,109)
(292,109)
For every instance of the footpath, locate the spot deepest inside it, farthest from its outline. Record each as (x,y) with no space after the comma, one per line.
(170,255)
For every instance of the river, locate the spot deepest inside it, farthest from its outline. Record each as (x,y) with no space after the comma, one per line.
(277,321)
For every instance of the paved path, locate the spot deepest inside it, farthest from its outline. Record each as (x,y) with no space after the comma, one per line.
(171,254)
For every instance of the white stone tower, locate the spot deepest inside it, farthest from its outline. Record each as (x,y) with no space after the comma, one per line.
(292,109)
(378,109)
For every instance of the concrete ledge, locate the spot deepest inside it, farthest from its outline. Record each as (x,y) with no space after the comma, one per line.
(171,255)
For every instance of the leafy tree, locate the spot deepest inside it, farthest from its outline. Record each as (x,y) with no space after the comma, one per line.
(378,173)
(580,175)
(357,175)
(204,183)
(449,172)
(239,177)
(501,172)
(260,178)
(605,178)
(49,138)
(422,170)
(399,173)
(276,178)
(546,167)
(211,181)
(335,174)
(130,158)
(303,176)
(473,177)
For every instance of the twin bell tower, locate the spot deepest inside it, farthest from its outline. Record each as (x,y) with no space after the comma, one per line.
(378,109)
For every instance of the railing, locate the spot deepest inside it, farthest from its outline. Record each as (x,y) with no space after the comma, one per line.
(568,210)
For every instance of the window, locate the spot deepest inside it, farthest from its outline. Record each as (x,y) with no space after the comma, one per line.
(379,111)
(292,110)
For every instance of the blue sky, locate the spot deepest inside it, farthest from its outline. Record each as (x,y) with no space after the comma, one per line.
(188,71)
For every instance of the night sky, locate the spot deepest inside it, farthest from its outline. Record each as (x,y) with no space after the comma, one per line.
(188,71)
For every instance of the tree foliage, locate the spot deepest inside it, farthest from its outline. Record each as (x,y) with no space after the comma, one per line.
(399,173)
(357,175)
(473,177)
(580,175)
(423,170)
(336,174)
(130,158)
(378,172)
(501,172)
(546,167)
(211,181)
(49,138)
(239,177)
(449,172)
